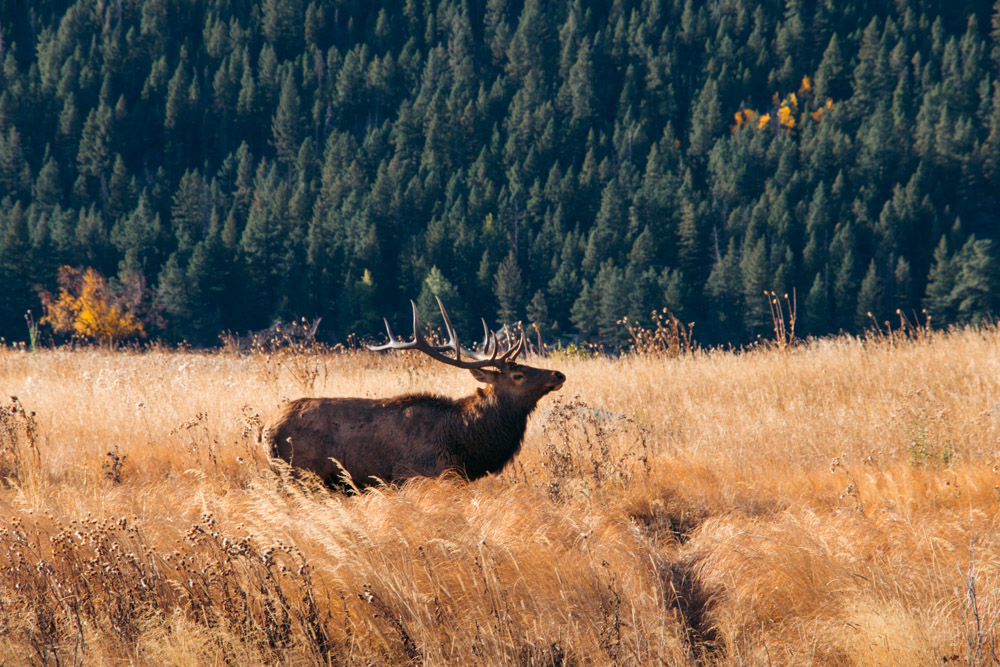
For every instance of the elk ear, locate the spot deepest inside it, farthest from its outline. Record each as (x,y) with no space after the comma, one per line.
(483,375)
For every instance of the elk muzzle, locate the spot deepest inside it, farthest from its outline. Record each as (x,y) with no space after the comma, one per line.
(556,382)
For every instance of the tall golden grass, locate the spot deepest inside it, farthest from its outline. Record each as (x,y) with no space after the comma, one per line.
(833,503)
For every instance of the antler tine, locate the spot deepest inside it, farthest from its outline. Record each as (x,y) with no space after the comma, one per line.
(388,329)
(521,345)
(452,338)
(418,334)
(487,336)
(420,343)
(511,354)
(393,341)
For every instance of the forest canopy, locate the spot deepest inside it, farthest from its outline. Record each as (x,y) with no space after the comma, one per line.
(560,162)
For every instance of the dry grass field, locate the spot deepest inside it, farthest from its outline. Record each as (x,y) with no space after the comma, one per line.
(831,504)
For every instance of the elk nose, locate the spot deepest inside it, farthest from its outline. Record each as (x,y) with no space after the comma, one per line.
(559,376)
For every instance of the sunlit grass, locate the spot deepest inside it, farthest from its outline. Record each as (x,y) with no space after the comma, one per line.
(833,503)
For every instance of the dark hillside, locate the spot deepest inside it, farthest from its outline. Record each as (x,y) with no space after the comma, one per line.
(561,162)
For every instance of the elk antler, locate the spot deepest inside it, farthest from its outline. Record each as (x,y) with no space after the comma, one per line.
(490,346)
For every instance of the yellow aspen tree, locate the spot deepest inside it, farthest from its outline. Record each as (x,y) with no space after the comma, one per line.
(785,118)
(85,307)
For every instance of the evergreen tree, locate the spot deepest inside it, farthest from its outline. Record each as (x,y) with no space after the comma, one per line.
(585,311)
(207,283)
(15,268)
(724,291)
(261,251)
(287,126)
(93,156)
(829,82)
(363,310)
(121,193)
(15,174)
(538,312)
(172,298)
(975,295)
(940,283)
(48,185)
(612,303)
(508,288)
(282,24)
(189,212)
(140,234)
(706,119)
(817,315)
(676,294)
(903,288)
(691,254)
(871,309)
(754,276)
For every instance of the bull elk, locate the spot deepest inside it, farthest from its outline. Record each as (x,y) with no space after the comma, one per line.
(393,439)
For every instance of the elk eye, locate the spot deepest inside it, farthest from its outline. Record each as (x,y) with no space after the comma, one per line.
(517,376)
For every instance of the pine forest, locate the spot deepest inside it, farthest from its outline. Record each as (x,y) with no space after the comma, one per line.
(215,165)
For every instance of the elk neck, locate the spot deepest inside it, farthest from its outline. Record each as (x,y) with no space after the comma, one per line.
(492,430)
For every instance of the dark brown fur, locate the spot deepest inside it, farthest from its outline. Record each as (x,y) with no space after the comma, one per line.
(413,435)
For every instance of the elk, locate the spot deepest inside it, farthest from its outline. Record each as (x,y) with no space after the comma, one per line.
(419,434)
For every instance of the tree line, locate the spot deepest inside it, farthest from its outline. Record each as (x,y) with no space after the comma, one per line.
(225,163)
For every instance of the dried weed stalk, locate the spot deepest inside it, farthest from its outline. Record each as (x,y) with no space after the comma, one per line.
(20,461)
(665,337)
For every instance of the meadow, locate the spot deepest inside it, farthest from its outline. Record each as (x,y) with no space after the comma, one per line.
(830,503)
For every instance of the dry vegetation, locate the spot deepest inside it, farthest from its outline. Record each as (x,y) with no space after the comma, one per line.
(834,503)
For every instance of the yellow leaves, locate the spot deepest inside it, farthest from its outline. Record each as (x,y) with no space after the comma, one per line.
(86,307)
(817,115)
(785,118)
(787,108)
(61,314)
(784,115)
(744,117)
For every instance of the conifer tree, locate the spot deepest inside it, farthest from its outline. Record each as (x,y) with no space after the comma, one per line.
(48,185)
(817,311)
(436,286)
(585,311)
(15,174)
(93,156)
(940,283)
(508,288)
(189,212)
(15,267)
(173,298)
(724,291)
(977,279)
(537,312)
(871,308)
(754,276)
(287,126)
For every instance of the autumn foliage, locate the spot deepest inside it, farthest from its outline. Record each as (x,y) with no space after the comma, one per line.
(87,307)
(782,114)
